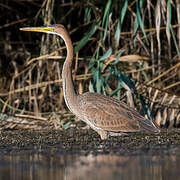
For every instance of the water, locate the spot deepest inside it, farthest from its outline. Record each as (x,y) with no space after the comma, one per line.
(81,154)
(32,164)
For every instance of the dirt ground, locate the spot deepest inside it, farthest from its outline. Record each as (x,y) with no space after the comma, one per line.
(85,141)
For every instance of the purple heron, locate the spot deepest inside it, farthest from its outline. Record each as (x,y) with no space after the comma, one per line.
(106,115)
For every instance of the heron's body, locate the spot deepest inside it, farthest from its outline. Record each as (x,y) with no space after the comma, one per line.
(106,115)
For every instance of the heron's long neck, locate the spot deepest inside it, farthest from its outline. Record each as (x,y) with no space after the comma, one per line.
(70,95)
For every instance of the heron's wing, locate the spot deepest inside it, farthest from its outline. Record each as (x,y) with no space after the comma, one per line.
(109,114)
(113,115)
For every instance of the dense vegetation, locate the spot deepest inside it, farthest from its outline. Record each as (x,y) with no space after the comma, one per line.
(126,49)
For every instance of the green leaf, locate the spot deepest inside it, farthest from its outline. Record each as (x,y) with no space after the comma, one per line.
(145,107)
(123,11)
(92,63)
(106,18)
(85,39)
(106,55)
(143,73)
(115,92)
(119,92)
(117,33)
(106,27)
(98,81)
(136,26)
(3,116)
(91,88)
(97,51)
(57,117)
(139,19)
(120,21)
(67,125)
(127,82)
(87,14)
(106,12)
(170,15)
(108,76)
(118,56)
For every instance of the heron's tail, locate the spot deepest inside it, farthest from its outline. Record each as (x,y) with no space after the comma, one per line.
(149,126)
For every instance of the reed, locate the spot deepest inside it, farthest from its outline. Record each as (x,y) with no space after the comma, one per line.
(126,49)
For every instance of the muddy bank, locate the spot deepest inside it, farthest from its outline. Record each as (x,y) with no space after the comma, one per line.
(85,141)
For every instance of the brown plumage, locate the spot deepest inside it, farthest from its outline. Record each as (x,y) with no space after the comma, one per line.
(106,115)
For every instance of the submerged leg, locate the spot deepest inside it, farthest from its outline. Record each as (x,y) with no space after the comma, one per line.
(117,134)
(103,134)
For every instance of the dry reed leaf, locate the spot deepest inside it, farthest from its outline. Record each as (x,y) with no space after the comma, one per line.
(171,85)
(154,98)
(61,98)
(30,87)
(26,122)
(130,99)
(150,90)
(76,65)
(158,118)
(164,73)
(158,22)
(168,31)
(171,117)
(172,99)
(178,19)
(178,119)
(164,116)
(5,105)
(45,57)
(43,84)
(126,58)
(36,107)
(80,87)
(31,117)
(164,98)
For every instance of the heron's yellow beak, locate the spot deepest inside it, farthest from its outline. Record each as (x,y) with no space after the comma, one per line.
(47,29)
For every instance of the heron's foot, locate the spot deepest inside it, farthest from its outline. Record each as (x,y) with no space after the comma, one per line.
(103,134)
(117,134)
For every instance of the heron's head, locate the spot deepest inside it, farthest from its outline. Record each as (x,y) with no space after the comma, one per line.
(57,29)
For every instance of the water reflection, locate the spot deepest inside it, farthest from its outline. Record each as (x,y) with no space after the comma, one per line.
(47,165)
